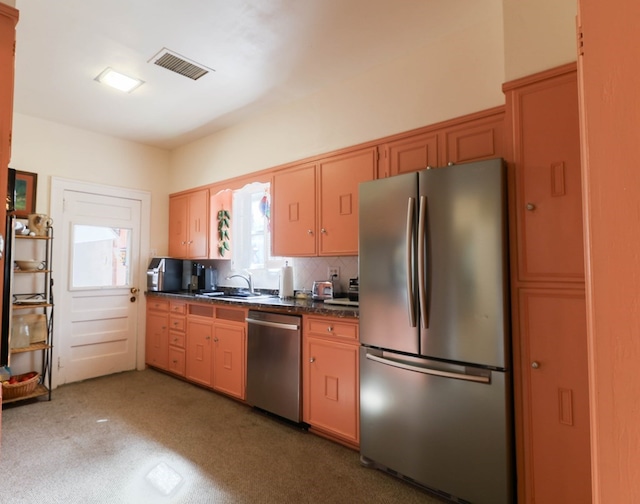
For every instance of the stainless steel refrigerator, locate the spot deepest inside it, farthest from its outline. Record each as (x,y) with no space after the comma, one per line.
(435,371)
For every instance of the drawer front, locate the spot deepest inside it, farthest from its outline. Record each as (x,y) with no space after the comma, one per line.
(177,323)
(176,339)
(178,307)
(157,304)
(332,327)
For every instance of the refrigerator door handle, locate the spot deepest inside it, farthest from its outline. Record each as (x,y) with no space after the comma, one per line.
(434,372)
(422,291)
(409,261)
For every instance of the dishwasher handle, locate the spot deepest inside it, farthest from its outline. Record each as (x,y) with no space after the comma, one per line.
(277,325)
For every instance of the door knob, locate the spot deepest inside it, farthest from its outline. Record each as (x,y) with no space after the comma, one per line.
(134,290)
(535,364)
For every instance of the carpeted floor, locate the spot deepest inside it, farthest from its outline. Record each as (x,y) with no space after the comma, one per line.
(144,437)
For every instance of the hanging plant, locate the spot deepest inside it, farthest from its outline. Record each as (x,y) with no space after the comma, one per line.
(224,223)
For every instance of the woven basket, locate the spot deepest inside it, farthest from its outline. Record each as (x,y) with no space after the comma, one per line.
(19,389)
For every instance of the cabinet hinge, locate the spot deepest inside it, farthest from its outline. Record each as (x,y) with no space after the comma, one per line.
(580,41)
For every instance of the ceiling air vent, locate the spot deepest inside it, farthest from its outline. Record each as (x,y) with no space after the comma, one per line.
(179,64)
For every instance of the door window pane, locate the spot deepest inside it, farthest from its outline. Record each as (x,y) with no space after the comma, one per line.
(101,256)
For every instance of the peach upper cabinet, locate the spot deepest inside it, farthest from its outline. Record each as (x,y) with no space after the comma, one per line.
(189,225)
(469,138)
(315,205)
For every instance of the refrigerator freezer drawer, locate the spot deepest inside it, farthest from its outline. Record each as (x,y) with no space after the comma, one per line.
(442,430)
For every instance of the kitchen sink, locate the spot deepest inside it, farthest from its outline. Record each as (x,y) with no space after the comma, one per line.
(235,296)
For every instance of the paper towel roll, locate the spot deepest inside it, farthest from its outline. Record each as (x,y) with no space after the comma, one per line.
(286,281)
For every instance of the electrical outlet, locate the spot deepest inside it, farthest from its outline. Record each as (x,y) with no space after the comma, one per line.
(333,270)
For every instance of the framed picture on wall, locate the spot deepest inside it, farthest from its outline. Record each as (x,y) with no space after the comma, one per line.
(25,193)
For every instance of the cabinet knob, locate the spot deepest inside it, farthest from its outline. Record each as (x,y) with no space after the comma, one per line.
(329,328)
(312,360)
(309,231)
(450,163)
(215,339)
(535,364)
(323,230)
(531,207)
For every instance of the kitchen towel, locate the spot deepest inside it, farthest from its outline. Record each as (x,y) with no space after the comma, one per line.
(286,281)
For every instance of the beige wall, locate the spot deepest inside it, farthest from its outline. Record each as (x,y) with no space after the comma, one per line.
(538,34)
(456,75)
(51,149)
(459,74)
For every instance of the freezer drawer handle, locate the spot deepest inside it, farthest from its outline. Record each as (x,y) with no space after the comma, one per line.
(435,372)
(409,262)
(278,325)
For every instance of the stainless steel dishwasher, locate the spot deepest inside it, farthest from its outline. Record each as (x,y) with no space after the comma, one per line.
(274,346)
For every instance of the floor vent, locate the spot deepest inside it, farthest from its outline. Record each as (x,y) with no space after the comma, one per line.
(179,64)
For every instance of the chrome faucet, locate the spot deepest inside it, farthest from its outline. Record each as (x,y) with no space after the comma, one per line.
(247,279)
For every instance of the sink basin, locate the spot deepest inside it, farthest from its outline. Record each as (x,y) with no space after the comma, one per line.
(244,296)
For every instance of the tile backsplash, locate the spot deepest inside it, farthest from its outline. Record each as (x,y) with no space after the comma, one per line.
(305,271)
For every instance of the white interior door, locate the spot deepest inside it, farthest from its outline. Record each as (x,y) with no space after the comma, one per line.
(98,284)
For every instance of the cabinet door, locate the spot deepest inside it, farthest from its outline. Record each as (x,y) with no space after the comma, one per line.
(229,359)
(555,396)
(475,139)
(331,395)
(157,339)
(338,209)
(176,360)
(294,212)
(548,181)
(198,235)
(221,201)
(199,350)
(178,227)
(411,154)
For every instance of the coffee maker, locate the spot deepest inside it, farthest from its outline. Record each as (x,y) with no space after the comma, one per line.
(203,278)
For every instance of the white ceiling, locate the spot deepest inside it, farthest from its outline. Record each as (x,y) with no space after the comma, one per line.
(264,53)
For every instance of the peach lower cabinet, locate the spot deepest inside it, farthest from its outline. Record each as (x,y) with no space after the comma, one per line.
(206,344)
(331,395)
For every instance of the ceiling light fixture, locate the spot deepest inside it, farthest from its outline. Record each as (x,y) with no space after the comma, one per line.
(119,81)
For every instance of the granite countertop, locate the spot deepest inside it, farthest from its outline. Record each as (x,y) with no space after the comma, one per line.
(273,304)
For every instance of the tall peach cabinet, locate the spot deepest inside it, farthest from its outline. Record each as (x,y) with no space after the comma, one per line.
(548,307)
(8,21)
